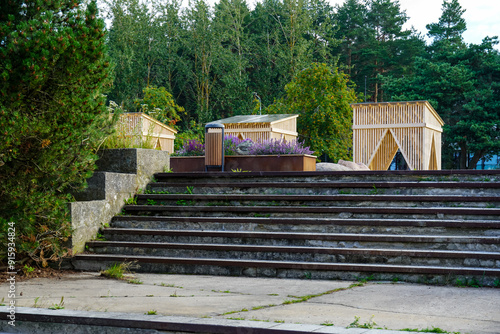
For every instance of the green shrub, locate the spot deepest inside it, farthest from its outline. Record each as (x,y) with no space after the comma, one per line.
(53,71)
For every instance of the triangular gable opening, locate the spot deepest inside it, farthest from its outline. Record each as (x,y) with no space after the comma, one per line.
(384,152)
(399,162)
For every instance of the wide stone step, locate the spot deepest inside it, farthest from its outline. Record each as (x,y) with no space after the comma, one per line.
(319,200)
(285,269)
(343,176)
(339,240)
(323,211)
(297,253)
(327,188)
(318,225)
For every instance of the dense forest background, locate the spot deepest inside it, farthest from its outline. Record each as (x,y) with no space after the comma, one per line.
(232,60)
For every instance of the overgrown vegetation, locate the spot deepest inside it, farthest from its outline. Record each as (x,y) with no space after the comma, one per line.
(53,70)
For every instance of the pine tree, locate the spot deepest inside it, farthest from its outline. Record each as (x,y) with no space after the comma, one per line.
(53,70)
(462,82)
(451,25)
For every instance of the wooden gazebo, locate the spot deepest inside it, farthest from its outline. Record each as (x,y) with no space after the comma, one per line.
(261,127)
(381,129)
(142,127)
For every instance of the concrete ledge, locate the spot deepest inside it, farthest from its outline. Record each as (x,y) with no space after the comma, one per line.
(45,321)
(121,174)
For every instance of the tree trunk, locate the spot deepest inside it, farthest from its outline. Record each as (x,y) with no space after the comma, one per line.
(475,159)
(463,156)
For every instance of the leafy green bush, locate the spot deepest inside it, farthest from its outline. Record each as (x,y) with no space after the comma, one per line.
(53,70)
(321,95)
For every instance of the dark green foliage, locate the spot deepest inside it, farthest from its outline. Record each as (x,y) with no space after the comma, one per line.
(53,69)
(374,43)
(462,82)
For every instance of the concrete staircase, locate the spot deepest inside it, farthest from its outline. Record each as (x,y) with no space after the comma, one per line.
(432,227)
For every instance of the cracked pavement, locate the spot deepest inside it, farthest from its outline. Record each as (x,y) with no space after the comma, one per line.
(389,305)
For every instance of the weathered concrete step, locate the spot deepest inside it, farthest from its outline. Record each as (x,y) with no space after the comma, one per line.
(341,240)
(318,225)
(441,175)
(297,253)
(284,223)
(277,268)
(320,200)
(324,211)
(328,188)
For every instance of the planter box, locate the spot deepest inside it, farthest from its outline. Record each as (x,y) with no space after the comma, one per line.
(253,163)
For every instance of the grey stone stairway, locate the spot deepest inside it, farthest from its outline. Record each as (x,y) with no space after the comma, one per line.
(433,227)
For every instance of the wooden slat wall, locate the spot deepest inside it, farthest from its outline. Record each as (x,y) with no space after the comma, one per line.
(381,128)
(287,124)
(142,127)
(259,132)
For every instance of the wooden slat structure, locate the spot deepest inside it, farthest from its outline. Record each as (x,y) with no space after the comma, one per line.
(144,128)
(381,129)
(261,127)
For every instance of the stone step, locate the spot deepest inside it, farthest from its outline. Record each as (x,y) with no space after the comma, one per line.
(327,188)
(285,269)
(415,176)
(322,211)
(319,200)
(318,225)
(417,226)
(298,253)
(431,242)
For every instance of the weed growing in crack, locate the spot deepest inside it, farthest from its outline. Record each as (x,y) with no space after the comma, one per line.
(428,330)
(117,270)
(369,325)
(59,306)
(151,201)
(131,201)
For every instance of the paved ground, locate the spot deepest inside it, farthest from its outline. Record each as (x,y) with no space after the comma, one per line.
(392,306)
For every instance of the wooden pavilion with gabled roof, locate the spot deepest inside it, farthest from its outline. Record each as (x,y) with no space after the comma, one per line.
(381,129)
(261,127)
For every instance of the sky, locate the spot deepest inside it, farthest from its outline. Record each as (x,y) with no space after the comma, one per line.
(482,16)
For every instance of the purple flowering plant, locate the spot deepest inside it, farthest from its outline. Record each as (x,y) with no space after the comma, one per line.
(191,148)
(231,144)
(267,147)
(277,147)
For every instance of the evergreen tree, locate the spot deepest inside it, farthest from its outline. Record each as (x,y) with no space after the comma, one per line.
(232,93)
(203,49)
(53,68)
(462,83)
(353,32)
(374,43)
(447,33)
(137,45)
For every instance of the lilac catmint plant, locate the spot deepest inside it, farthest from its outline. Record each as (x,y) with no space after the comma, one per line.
(277,147)
(231,144)
(191,148)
